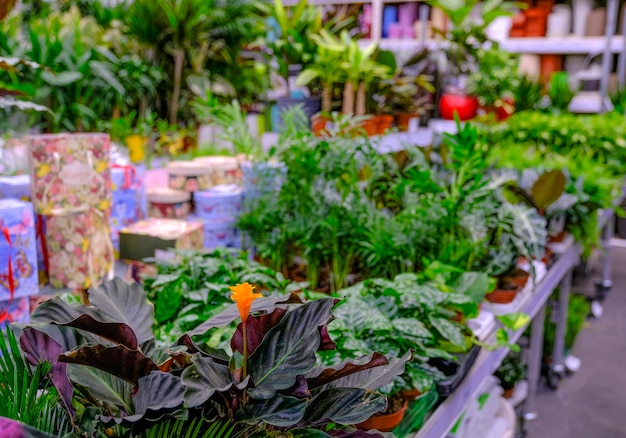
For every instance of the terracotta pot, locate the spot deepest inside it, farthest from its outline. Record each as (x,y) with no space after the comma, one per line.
(385,122)
(403,119)
(518,28)
(545,4)
(537,22)
(508,393)
(558,238)
(370,126)
(319,125)
(464,106)
(410,395)
(550,64)
(519,279)
(502,296)
(385,422)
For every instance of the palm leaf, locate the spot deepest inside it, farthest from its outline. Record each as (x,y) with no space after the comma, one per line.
(193,428)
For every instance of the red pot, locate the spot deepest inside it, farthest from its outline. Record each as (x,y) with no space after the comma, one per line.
(464,106)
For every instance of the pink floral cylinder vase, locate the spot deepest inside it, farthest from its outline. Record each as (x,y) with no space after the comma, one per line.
(80,250)
(70,172)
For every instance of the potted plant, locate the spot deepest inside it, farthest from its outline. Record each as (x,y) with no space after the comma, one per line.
(405,95)
(466,37)
(271,384)
(291,48)
(327,68)
(509,373)
(494,81)
(362,70)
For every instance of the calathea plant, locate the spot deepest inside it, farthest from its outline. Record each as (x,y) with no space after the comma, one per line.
(103,361)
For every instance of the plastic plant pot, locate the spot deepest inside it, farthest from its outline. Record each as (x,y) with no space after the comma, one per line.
(385,122)
(465,106)
(385,422)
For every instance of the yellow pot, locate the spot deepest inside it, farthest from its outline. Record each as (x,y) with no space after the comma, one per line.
(137,147)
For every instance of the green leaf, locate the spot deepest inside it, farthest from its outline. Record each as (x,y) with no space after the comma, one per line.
(548,188)
(411,327)
(474,285)
(514,321)
(168,301)
(344,406)
(288,349)
(449,330)
(61,79)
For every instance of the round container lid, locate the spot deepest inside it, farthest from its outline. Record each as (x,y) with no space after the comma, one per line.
(166,195)
(218,162)
(187,168)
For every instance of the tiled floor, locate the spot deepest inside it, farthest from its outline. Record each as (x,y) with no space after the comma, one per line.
(592,402)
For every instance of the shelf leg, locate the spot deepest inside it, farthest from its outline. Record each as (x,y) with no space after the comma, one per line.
(535,354)
(558,359)
(605,284)
(607,56)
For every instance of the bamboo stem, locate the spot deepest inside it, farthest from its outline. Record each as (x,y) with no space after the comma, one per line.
(348,98)
(360,100)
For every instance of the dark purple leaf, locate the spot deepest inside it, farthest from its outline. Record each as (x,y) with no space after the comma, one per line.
(38,346)
(129,365)
(267,304)
(257,328)
(157,394)
(300,389)
(344,406)
(206,377)
(321,376)
(13,429)
(288,350)
(116,332)
(326,344)
(280,410)
(219,356)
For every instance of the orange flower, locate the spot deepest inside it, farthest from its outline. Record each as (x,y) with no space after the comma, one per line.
(243,296)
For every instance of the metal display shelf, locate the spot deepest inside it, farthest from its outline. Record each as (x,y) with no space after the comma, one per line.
(446,415)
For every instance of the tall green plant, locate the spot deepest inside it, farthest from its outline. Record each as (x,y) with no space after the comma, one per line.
(19,390)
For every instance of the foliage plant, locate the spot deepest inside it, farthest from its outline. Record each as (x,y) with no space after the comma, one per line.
(80,68)
(468,35)
(495,79)
(510,372)
(560,92)
(104,363)
(19,389)
(192,289)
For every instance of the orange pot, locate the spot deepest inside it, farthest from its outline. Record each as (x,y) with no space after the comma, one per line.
(385,122)
(502,296)
(384,422)
(402,120)
(537,22)
(550,64)
(319,125)
(370,126)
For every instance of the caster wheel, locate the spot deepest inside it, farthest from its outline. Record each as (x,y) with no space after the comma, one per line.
(553,380)
(602,289)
